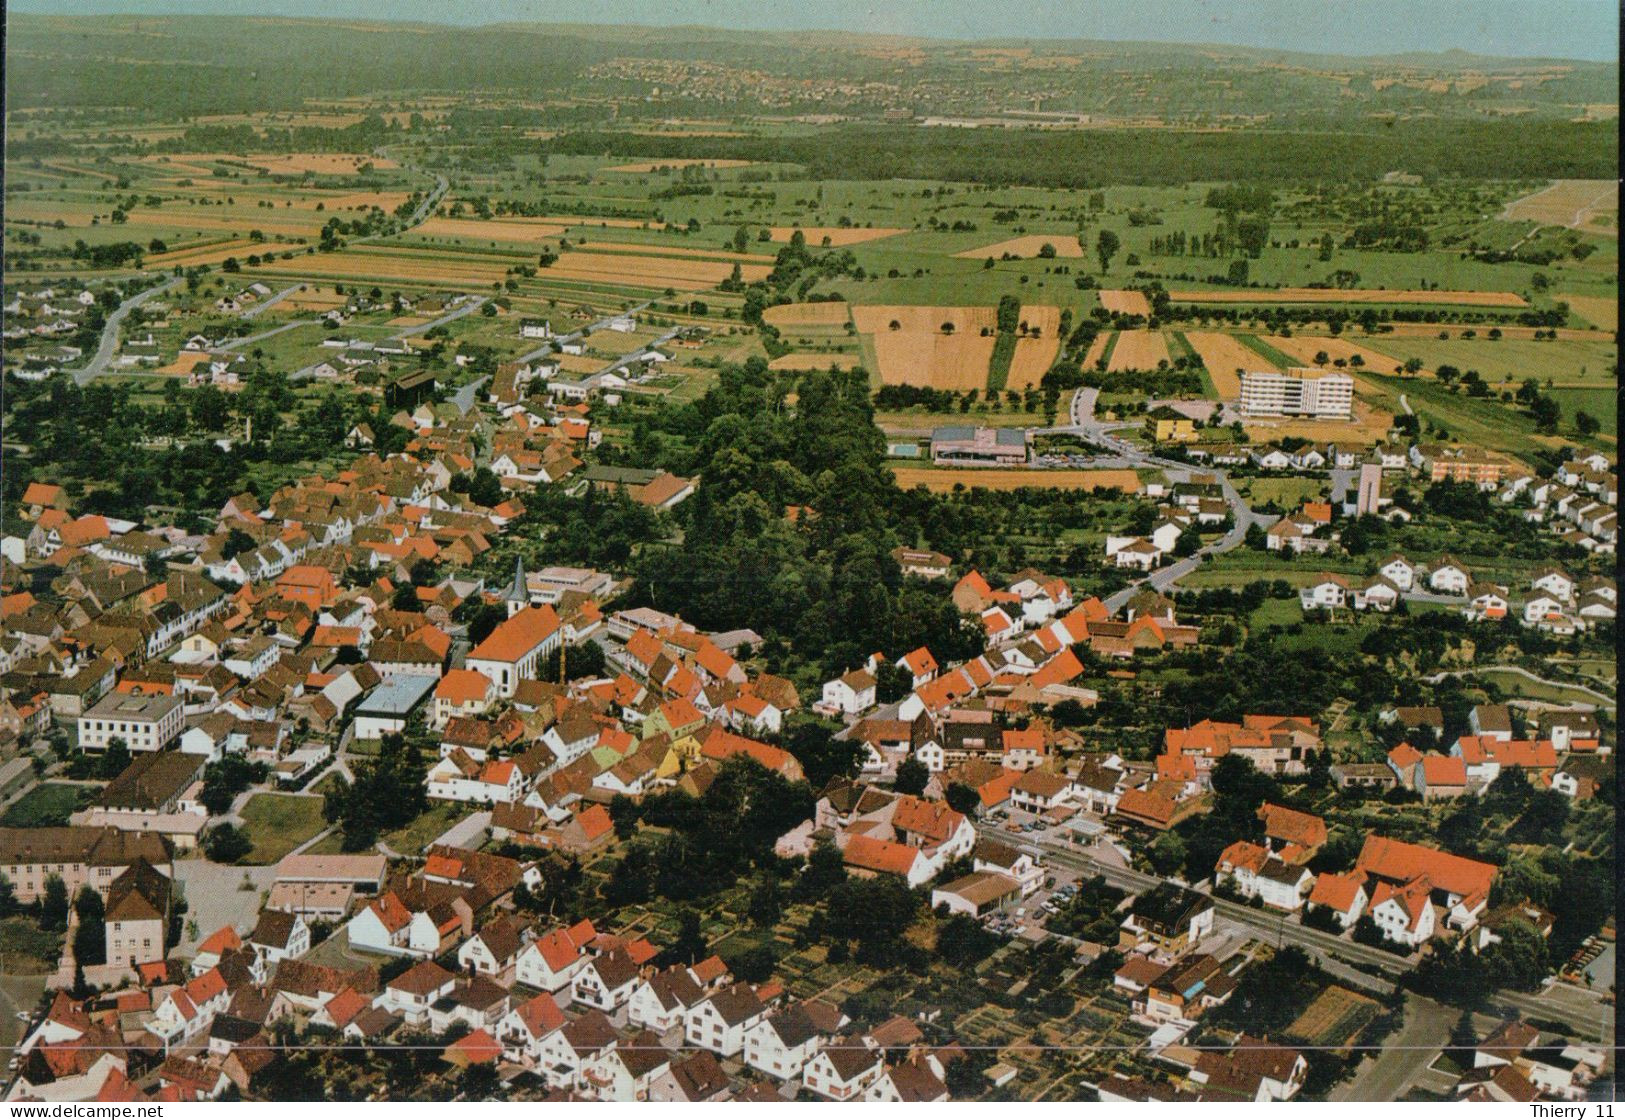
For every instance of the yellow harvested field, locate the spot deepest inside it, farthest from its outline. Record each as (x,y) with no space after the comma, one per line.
(838,236)
(578,363)
(833,313)
(673,251)
(279,223)
(317,163)
(184,361)
(940,361)
(1125,303)
(1031,361)
(648,272)
(1350,295)
(365,262)
(1600,310)
(359,200)
(314,299)
(876,319)
(524,231)
(1576,203)
(591,220)
(656,164)
(1034,355)
(799,362)
(1012,478)
(207,254)
(1223,355)
(1064,244)
(1305,348)
(1138,350)
(1097,349)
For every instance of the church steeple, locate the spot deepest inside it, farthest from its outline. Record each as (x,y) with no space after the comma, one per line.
(518,596)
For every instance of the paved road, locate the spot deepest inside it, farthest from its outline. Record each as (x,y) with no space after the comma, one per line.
(239,343)
(1387,1075)
(580,332)
(104,350)
(1265,925)
(1519,670)
(466,397)
(1084,425)
(468,308)
(270,301)
(1579,1009)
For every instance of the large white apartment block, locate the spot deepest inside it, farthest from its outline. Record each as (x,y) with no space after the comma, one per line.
(1298,392)
(145,723)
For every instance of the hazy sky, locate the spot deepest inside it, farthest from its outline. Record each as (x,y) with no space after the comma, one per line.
(1546,28)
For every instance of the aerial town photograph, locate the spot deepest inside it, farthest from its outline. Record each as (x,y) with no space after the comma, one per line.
(705,551)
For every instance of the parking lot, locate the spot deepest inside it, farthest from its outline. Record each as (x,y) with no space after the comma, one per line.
(1082,833)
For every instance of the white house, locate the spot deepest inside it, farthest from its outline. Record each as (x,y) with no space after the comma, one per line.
(782,1044)
(606,981)
(1448,577)
(850,693)
(719,1021)
(1328,591)
(843,1069)
(1404,914)
(1398,571)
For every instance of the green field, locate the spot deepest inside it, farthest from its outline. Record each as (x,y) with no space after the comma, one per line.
(1565,362)
(27,948)
(1602,403)
(279,823)
(50,803)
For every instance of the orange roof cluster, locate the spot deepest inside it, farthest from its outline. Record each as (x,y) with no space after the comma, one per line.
(1530,754)
(517,636)
(871,854)
(1398,862)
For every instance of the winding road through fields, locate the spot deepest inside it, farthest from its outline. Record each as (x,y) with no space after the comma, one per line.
(109,341)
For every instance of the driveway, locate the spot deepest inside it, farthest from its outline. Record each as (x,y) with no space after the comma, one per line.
(1404,1056)
(215,897)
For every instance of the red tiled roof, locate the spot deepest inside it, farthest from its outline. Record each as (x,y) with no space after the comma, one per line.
(871,854)
(517,636)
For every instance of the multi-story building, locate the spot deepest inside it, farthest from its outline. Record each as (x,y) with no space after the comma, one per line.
(1299,391)
(145,723)
(80,856)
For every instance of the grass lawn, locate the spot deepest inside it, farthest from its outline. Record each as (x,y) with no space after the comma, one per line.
(1568,362)
(28,948)
(49,803)
(279,823)
(1514,685)
(1280,612)
(1487,422)
(412,839)
(1600,403)
(1288,493)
